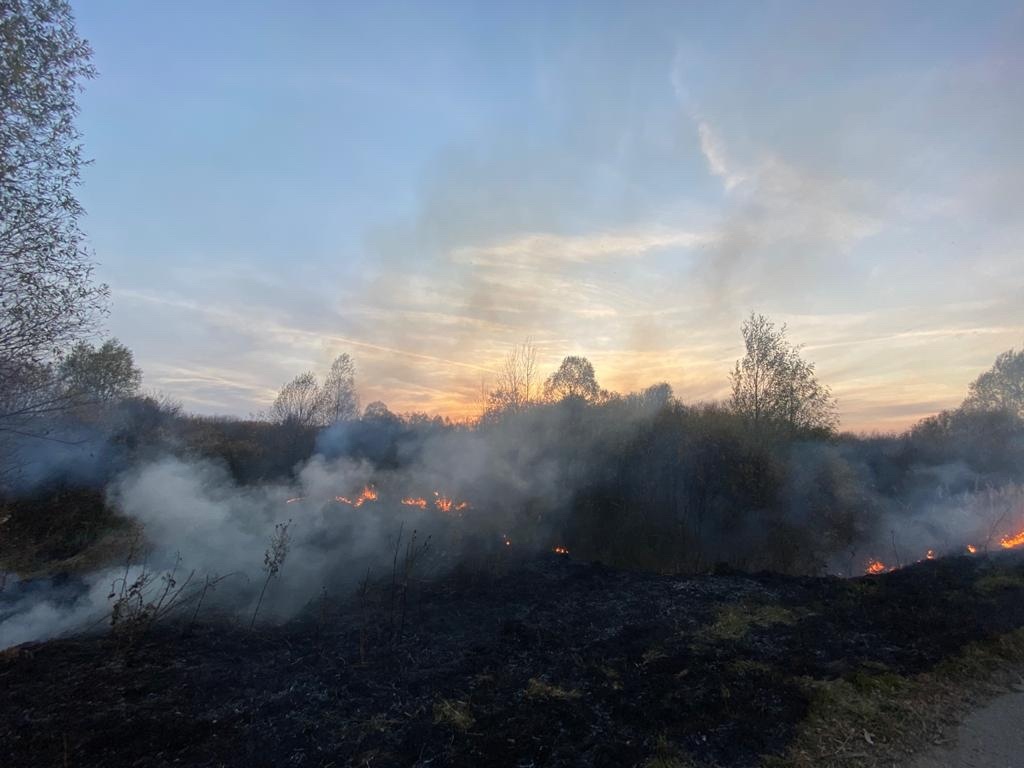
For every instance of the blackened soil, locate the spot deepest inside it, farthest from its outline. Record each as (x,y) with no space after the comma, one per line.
(553,663)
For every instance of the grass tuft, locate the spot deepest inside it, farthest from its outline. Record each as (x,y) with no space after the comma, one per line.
(734,621)
(454,714)
(539,689)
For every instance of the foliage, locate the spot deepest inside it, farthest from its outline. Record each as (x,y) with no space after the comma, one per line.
(47,296)
(1001,388)
(773,384)
(101,374)
(298,403)
(574,379)
(304,402)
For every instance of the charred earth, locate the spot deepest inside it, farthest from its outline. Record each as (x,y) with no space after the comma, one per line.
(546,663)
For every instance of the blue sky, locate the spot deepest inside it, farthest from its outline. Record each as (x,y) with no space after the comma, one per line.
(425,184)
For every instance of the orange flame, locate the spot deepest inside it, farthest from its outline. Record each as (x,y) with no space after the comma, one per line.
(1011,542)
(411,501)
(369,493)
(875,566)
(447,504)
(560,551)
(972,549)
(929,555)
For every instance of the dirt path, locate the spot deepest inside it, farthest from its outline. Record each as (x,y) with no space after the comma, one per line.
(990,737)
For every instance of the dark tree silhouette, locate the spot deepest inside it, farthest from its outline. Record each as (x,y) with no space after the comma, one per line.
(517,381)
(101,374)
(1001,388)
(299,403)
(574,379)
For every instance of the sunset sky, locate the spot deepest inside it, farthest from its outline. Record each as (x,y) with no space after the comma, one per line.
(425,184)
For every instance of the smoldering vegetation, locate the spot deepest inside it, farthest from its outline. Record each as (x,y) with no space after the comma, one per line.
(141,495)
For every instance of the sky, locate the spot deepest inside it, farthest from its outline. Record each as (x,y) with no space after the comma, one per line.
(425,184)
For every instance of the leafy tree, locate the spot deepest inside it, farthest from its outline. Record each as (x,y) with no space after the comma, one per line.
(1001,388)
(338,393)
(517,381)
(104,374)
(47,297)
(379,411)
(574,379)
(299,403)
(774,384)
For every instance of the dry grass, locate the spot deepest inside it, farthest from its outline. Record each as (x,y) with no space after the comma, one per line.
(111,547)
(734,621)
(666,755)
(539,689)
(454,714)
(880,719)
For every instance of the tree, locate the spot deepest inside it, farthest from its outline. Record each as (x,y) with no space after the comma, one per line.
(574,379)
(100,375)
(774,384)
(378,411)
(1001,388)
(338,393)
(516,386)
(47,296)
(299,403)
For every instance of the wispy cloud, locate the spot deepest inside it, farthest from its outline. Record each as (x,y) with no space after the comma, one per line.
(714,152)
(546,248)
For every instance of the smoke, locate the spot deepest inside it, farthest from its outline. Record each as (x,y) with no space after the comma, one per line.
(41,609)
(195,518)
(74,454)
(640,481)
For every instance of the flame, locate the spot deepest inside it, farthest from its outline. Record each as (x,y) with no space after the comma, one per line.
(929,555)
(560,551)
(507,540)
(875,566)
(443,503)
(972,549)
(369,493)
(447,504)
(1011,542)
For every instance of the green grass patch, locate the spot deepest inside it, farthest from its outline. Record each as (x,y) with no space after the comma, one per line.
(997,582)
(734,621)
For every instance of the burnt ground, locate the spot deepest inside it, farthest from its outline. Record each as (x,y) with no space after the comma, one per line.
(552,663)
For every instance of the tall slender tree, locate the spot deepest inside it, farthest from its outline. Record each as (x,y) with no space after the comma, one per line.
(338,392)
(48,298)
